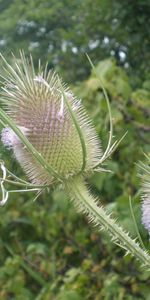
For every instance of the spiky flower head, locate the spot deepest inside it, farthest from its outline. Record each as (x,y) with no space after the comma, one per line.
(146,213)
(53,121)
(145,177)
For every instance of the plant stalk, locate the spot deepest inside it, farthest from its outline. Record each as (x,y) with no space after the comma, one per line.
(97,215)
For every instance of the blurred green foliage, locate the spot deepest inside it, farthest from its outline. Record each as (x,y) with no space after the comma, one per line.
(48,252)
(62,31)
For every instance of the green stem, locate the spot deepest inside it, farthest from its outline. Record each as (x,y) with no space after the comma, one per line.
(27,185)
(34,274)
(135,223)
(86,204)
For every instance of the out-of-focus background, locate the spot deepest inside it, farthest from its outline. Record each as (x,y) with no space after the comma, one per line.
(47,250)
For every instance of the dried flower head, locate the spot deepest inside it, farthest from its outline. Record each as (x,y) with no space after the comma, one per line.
(53,121)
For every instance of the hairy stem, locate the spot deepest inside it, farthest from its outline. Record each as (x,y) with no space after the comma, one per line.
(86,204)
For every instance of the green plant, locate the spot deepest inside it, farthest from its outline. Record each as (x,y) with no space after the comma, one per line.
(54,142)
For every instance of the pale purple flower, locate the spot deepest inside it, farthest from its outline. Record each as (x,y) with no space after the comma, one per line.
(10,139)
(146,212)
(145,177)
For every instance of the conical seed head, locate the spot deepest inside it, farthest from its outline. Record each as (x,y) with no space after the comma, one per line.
(145,178)
(36,103)
(146,212)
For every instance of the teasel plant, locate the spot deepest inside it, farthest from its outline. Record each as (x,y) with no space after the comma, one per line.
(55,143)
(145,191)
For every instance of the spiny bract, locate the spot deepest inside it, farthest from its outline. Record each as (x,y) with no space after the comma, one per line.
(35,101)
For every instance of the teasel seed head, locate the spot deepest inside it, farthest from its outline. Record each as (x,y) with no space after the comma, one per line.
(52,119)
(145,199)
(146,213)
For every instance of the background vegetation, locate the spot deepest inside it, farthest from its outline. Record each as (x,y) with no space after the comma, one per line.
(48,252)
